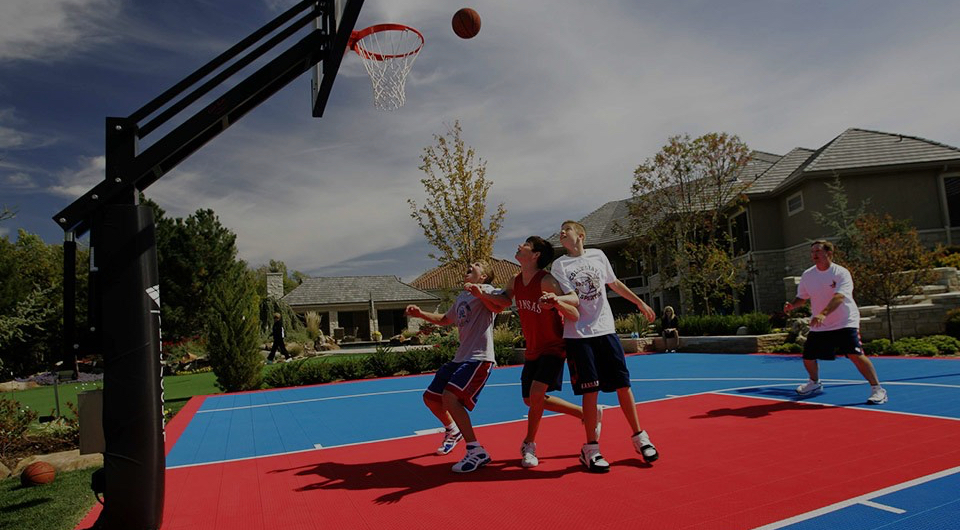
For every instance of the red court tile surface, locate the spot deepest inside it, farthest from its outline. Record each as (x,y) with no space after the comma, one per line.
(727,463)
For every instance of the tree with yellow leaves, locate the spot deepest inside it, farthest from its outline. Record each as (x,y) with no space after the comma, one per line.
(454,216)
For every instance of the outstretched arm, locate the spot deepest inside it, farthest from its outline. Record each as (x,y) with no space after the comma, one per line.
(434,318)
(495,302)
(624,291)
(793,304)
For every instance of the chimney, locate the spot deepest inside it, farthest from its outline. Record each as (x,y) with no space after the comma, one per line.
(275,285)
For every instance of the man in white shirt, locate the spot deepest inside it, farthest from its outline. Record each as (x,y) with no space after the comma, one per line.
(835,324)
(594,353)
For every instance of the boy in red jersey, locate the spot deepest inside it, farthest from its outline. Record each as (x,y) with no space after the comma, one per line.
(543,330)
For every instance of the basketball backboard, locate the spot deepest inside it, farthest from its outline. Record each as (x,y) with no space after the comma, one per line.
(339,24)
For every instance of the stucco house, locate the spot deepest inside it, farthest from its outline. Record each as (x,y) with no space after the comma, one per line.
(354,305)
(906,176)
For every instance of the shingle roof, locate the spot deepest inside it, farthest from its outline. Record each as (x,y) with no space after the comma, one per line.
(450,276)
(780,171)
(353,289)
(857,148)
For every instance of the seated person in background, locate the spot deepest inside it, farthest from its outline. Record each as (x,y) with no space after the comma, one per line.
(669,323)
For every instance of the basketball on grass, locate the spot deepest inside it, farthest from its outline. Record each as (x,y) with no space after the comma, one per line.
(37,473)
(466,23)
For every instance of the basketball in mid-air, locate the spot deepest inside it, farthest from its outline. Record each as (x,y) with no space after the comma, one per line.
(466,23)
(37,473)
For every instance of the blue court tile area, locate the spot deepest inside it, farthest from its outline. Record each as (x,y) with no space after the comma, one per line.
(929,505)
(238,426)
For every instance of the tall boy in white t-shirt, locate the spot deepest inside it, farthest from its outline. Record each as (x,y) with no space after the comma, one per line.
(594,353)
(835,324)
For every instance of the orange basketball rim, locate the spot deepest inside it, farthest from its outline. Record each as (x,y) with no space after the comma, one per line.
(388,52)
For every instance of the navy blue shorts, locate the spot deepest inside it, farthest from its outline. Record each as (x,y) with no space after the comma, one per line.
(547,369)
(597,364)
(826,345)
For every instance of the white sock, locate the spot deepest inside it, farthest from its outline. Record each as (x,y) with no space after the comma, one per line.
(451,428)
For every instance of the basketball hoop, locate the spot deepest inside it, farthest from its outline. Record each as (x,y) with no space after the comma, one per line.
(388,52)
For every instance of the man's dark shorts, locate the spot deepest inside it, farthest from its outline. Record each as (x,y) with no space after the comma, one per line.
(597,364)
(826,345)
(547,369)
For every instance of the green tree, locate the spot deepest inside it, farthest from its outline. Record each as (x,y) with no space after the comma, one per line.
(681,199)
(839,218)
(233,335)
(888,261)
(31,302)
(454,216)
(192,255)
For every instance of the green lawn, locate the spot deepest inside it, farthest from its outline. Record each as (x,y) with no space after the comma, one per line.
(177,390)
(59,505)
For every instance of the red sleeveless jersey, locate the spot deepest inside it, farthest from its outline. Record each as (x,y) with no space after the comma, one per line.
(542,325)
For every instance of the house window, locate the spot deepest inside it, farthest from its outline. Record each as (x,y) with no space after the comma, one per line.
(795,203)
(740,230)
(952,187)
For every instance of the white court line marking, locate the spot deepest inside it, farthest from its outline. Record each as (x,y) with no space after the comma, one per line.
(317,446)
(858,500)
(863,406)
(438,430)
(329,398)
(883,507)
(714,391)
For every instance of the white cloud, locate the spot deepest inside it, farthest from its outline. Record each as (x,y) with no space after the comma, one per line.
(73,183)
(43,29)
(561,98)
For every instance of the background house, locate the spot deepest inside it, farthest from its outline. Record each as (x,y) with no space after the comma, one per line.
(905,176)
(355,305)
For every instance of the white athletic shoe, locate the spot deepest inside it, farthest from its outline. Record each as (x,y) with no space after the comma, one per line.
(475,458)
(642,444)
(450,439)
(591,458)
(878,396)
(528,454)
(809,388)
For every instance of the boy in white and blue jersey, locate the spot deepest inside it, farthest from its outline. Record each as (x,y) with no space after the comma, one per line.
(457,384)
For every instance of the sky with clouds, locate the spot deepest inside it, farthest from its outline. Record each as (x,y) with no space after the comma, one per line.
(562,99)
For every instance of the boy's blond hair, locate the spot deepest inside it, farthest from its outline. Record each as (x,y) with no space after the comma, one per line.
(487,267)
(576,226)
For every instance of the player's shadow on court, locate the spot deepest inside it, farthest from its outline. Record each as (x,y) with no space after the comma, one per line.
(405,476)
(759,411)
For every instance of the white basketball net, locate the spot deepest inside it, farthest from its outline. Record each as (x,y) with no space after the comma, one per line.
(388,52)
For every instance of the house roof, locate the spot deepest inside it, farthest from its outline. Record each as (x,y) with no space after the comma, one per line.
(607,223)
(450,275)
(780,171)
(352,290)
(859,148)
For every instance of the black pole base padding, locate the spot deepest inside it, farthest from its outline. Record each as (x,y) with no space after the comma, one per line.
(129,305)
